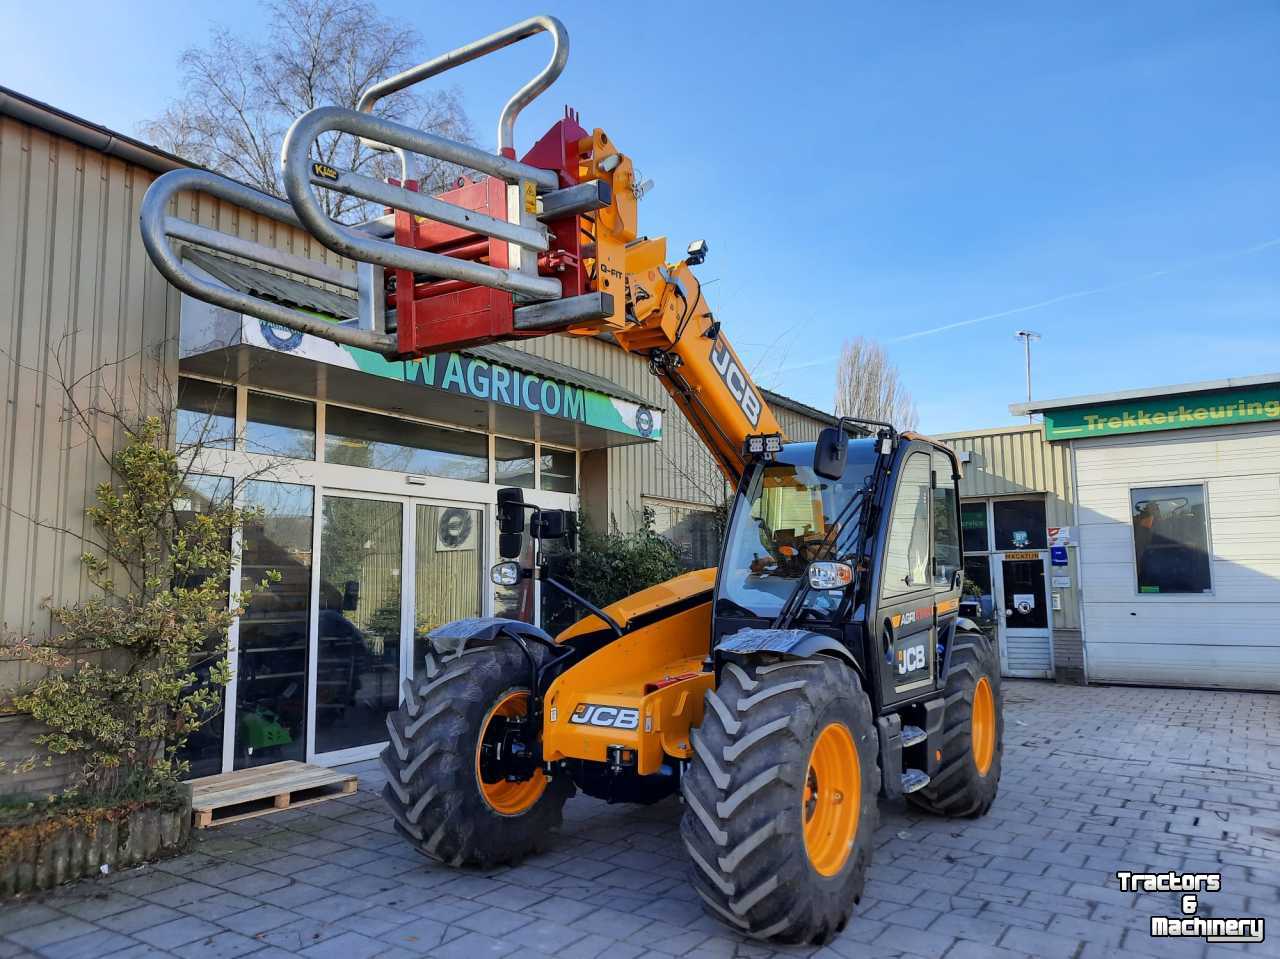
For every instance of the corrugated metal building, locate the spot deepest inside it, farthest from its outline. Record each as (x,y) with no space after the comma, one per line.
(366,468)
(1178,508)
(1021,554)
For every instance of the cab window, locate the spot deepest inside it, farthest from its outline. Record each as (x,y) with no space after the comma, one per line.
(946,534)
(908,560)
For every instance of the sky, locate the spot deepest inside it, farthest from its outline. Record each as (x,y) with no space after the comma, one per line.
(932,176)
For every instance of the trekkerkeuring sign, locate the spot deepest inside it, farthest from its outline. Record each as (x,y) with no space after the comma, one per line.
(1259,404)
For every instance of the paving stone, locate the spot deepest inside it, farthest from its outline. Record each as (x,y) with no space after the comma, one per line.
(223,904)
(21,915)
(183,893)
(473,945)
(929,945)
(1047,945)
(48,933)
(259,919)
(88,946)
(223,945)
(348,945)
(419,934)
(142,917)
(177,932)
(493,921)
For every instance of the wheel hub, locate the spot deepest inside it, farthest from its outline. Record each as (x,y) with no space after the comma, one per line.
(508,772)
(831,799)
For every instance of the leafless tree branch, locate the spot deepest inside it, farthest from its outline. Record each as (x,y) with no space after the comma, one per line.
(240,94)
(869,384)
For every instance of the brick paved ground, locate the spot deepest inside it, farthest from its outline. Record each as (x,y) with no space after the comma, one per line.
(1095,779)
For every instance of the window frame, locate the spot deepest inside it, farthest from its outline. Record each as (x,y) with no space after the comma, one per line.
(886,598)
(1208,541)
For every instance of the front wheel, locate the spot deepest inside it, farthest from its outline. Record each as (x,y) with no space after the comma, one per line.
(973,733)
(780,798)
(455,786)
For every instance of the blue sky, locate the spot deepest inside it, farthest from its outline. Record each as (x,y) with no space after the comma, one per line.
(878,169)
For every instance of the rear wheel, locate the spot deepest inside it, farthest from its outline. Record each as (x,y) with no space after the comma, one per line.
(780,798)
(968,776)
(457,786)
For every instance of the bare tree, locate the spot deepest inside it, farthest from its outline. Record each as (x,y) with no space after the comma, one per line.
(868,384)
(240,95)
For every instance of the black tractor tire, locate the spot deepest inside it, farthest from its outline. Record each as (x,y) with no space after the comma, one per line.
(433,787)
(745,791)
(960,788)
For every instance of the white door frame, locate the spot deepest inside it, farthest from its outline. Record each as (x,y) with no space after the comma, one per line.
(1003,631)
(408,601)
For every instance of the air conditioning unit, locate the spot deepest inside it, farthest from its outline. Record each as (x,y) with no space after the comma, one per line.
(457,530)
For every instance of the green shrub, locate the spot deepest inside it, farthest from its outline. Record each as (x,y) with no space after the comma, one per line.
(610,565)
(121,693)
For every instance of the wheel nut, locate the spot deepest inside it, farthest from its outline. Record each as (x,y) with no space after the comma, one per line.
(837,796)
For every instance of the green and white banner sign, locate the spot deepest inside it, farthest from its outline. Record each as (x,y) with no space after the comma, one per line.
(206,328)
(1259,404)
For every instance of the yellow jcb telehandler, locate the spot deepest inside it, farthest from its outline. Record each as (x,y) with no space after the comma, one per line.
(823,665)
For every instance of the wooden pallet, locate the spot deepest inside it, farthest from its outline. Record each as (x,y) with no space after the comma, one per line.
(246,793)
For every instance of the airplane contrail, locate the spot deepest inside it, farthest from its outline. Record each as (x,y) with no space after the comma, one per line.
(1231,254)
(1077,294)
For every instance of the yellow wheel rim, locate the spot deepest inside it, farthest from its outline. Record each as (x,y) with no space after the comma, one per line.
(983,733)
(831,800)
(508,798)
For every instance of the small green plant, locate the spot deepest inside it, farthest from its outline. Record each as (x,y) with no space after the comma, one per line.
(133,670)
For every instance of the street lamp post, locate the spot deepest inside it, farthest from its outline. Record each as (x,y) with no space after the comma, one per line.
(1027,336)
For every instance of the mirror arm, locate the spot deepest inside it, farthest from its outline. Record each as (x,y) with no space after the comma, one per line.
(586,603)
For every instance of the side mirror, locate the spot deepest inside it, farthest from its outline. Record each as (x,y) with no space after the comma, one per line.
(510,511)
(831,453)
(549,524)
(509,545)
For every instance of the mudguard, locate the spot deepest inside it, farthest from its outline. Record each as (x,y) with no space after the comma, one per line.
(796,643)
(455,636)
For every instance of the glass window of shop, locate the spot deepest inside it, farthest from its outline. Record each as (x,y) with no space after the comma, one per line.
(357,438)
(271,675)
(513,462)
(279,426)
(559,470)
(358,647)
(449,572)
(1171,539)
(206,415)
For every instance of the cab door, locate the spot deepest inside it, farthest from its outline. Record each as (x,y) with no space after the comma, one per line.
(904,626)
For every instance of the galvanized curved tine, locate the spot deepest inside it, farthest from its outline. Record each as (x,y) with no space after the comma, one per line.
(300,174)
(157,227)
(478,48)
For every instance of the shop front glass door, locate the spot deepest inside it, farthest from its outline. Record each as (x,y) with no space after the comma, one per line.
(359,621)
(271,672)
(448,571)
(1024,617)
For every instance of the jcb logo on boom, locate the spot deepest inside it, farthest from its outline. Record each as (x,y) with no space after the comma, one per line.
(612,717)
(735,380)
